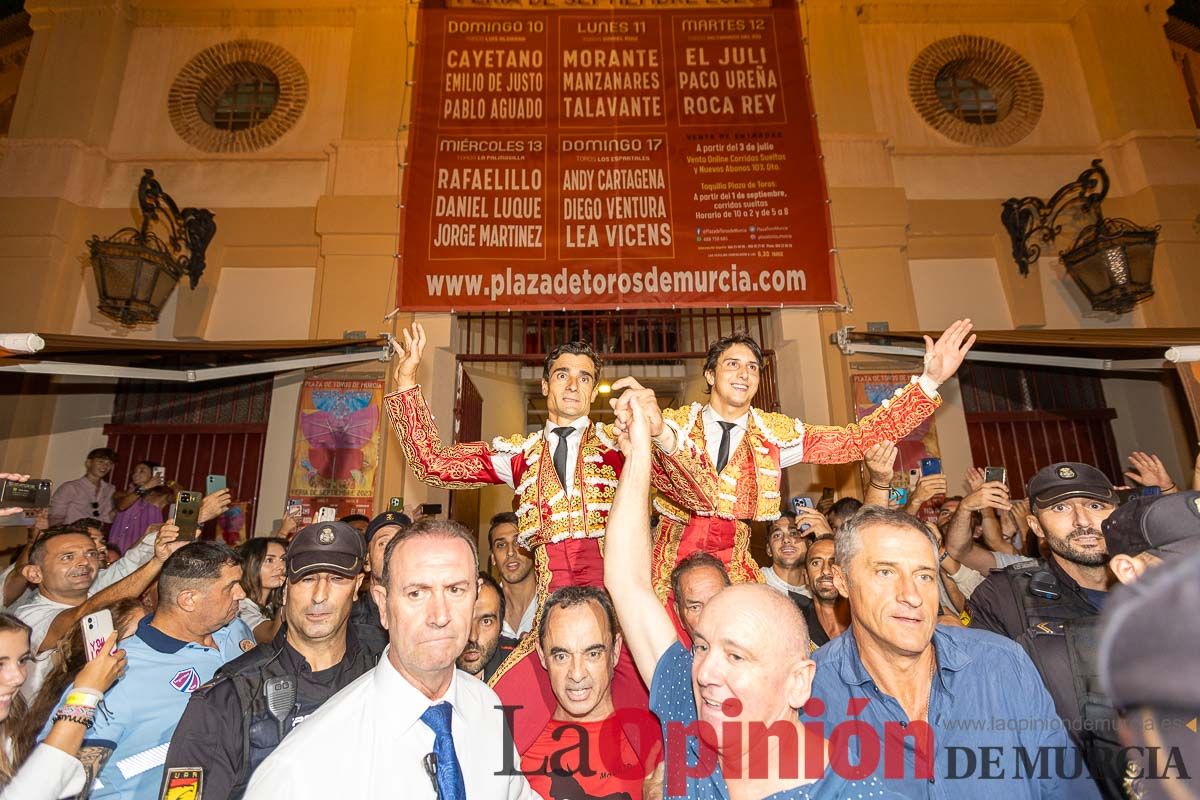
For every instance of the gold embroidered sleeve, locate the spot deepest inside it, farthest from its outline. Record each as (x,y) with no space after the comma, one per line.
(897,417)
(467,465)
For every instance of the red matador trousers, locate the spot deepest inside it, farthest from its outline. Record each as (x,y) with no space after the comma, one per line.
(523,681)
(726,539)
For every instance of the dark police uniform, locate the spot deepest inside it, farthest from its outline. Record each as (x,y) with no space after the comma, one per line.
(236,720)
(1038,604)
(228,729)
(364,615)
(1012,600)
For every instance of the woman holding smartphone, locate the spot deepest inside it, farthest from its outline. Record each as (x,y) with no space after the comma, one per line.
(140,507)
(51,770)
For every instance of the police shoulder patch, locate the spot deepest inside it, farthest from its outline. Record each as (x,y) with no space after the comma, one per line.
(246,645)
(183,783)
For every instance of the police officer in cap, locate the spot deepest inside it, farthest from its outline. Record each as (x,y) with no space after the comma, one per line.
(234,722)
(1140,535)
(1068,504)
(379,532)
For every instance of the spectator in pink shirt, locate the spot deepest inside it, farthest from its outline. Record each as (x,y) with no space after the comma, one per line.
(89,496)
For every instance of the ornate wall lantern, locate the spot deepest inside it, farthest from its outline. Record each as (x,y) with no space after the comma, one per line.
(136,270)
(1111,260)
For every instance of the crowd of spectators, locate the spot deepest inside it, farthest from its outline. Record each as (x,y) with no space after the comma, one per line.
(913,612)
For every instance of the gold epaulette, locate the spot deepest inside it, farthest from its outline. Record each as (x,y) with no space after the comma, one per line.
(779,429)
(513,444)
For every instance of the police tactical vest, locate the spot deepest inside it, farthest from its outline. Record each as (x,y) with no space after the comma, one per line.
(1042,597)
(261,731)
(1073,618)
(1101,743)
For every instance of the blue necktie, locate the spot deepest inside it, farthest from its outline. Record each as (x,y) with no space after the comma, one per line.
(449,772)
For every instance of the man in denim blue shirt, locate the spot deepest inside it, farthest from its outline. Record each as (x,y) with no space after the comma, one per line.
(948,712)
(729,706)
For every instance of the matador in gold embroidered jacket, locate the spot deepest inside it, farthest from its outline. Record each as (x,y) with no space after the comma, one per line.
(703,509)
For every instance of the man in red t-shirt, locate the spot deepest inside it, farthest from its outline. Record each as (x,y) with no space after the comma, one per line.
(583,750)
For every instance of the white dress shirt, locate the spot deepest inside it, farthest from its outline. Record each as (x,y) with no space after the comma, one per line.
(368,741)
(526,623)
(502,462)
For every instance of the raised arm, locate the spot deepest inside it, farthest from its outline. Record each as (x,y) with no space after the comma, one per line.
(880,461)
(960,543)
(644,622)
(131,586)
(897,416)
(467,465)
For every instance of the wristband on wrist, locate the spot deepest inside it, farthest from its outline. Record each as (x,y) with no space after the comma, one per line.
(880,486)
(77,714)
(84,698)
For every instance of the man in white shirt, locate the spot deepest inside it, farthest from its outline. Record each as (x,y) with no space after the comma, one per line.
(787,547)
(515,565)
(63,565)
(414,726)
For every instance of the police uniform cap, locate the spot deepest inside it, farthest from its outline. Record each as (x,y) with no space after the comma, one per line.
(326,547)
(1068,479)
(1148,643)
(384,520)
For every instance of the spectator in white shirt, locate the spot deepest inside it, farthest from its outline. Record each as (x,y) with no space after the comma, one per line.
(63,564)
(413,726)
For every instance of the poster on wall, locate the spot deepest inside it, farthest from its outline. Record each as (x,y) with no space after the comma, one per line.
(335,458)
(871,389)
(623,153)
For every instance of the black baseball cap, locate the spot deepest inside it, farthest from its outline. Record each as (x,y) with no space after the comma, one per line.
(1068,479)
(1164,526)
(385,519)
(103,452)
(326,547)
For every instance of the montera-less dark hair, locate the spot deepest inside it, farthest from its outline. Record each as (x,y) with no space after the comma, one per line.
(569,596)
(718,348)
(576,348)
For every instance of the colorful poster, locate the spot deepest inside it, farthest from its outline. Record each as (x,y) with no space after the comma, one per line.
(871,389)
(335,458)
(232,525)
(629,153)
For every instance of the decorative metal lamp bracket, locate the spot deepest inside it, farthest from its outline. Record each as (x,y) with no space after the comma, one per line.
(1031,217)
(191,228)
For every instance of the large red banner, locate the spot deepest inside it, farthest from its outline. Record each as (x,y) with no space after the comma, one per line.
(577,154)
